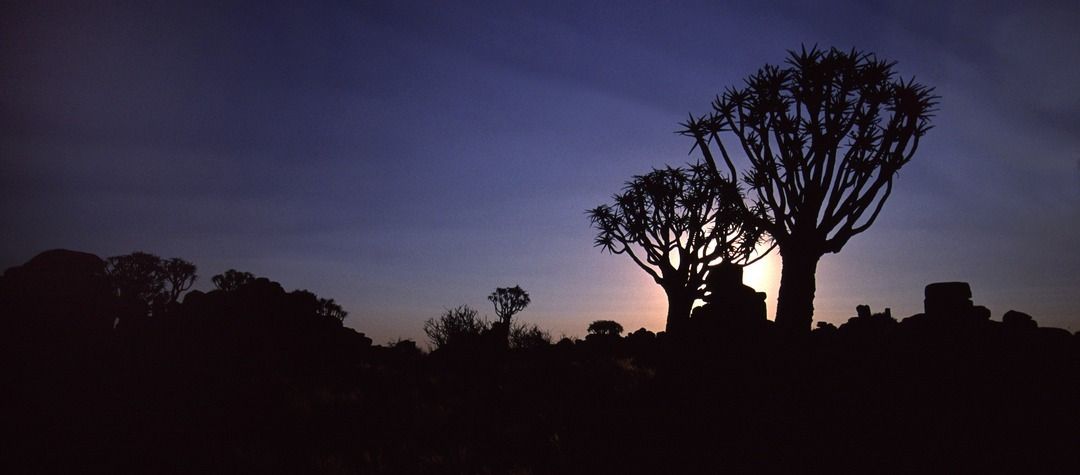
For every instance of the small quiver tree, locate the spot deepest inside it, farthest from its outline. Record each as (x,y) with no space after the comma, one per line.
(674,223)
(508,301)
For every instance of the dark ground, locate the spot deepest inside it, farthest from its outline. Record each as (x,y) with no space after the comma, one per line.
(250,381)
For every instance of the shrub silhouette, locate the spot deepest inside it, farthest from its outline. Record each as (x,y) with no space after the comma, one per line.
(526,336)
(674,223)
(605,327)
(825,136)
(330,309)
(231,280)
(456,326)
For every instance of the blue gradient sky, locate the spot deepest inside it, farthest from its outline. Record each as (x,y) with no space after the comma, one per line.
(404,157)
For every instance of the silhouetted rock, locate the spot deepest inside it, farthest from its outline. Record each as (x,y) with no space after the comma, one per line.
(949,304)
(947,298)
(730,305)
(56,340)
(405,349)
(865,322)
(641,335)
(602,337)
(1015,320)
(862,311)
(59,290)
(825,327)
(1054,335)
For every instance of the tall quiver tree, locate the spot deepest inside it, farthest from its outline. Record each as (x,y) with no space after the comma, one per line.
(825,136)
(674,223)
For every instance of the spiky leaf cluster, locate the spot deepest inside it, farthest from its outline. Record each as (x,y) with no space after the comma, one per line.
(509,301)
(824,135)
(675,222)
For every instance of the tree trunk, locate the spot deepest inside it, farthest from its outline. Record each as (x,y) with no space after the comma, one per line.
(680,302)
(795,302)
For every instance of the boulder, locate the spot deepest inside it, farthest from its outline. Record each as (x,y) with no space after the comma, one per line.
(947,298)
(1015,320)
(729,302)
(867,321)
(58,290)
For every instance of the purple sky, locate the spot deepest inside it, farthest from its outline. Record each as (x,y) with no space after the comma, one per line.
(404,157)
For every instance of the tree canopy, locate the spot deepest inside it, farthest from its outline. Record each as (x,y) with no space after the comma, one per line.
(508,301)
(231,280)
(676,222)
(605,327)
(148,283)
(824,136)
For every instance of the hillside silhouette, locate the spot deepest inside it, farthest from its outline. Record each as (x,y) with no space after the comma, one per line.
(251,377)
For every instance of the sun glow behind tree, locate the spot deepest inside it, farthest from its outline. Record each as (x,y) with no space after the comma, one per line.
(764,276)
(675,223)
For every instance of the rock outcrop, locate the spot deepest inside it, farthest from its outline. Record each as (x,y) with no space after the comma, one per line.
(730,304)
(58,291)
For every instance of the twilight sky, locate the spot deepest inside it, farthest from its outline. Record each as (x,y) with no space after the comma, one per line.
(404,157)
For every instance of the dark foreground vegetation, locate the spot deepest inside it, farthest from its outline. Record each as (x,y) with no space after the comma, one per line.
(250,378)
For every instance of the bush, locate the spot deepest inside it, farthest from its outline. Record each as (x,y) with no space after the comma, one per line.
(454,326)
(524,336)
(605,327)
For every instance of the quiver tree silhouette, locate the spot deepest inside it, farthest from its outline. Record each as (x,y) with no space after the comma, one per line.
(508,301)
(146,284)
(825,136)
(137,280)
(231,280)
(674,223)
(179,276)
